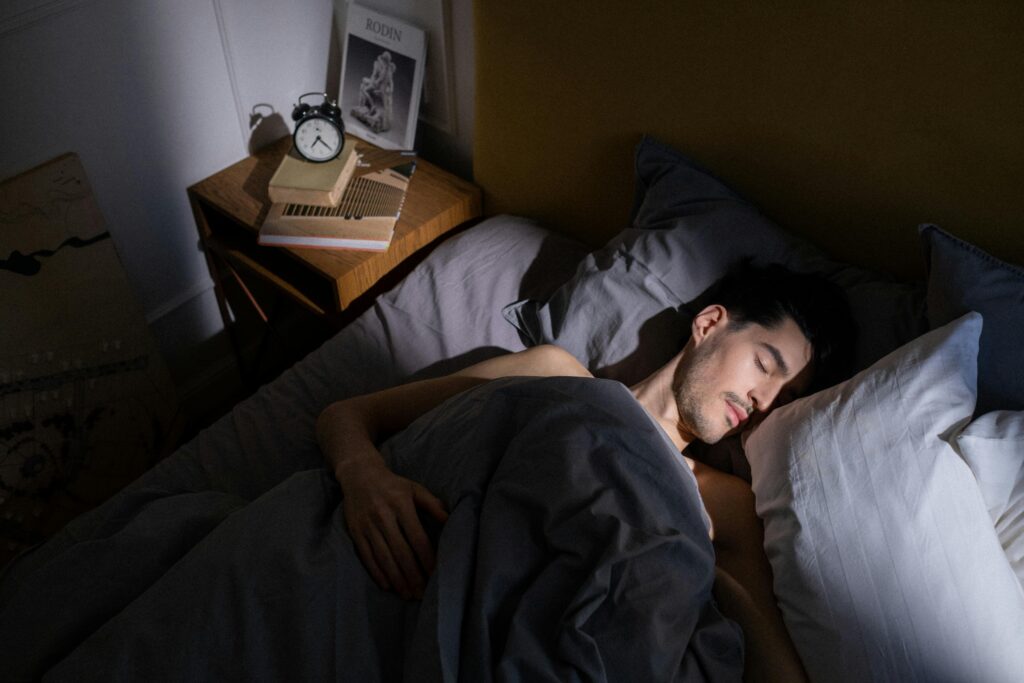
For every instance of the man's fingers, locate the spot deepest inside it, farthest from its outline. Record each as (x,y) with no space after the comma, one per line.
(385,560)
(403,556)
(366,555)
(417,538)
(429,502)
(389,535)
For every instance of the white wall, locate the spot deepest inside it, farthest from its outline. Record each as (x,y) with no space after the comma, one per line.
(140,92)
(155,95)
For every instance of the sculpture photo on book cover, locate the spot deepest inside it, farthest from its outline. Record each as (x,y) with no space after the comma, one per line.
(381,78)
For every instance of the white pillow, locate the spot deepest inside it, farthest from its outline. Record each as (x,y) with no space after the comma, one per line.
(993,446)
(886,564)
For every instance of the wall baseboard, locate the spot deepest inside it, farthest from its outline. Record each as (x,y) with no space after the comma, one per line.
(194,292)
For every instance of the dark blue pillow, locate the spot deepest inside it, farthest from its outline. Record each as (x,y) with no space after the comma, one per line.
(962,278)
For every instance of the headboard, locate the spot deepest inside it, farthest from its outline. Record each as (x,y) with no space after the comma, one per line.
(849,123)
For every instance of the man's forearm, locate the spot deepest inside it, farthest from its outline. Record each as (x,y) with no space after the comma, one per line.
(768,655)
(350,430)
(347,438)
(744,575)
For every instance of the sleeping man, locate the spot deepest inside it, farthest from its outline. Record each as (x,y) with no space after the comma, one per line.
(766,336)
(565,536)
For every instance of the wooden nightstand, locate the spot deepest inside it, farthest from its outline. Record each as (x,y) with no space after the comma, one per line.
(333,285)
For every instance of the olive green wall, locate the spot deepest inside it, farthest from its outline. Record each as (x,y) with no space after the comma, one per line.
(848,122)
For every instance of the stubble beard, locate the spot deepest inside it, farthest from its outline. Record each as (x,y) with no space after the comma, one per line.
(689,384)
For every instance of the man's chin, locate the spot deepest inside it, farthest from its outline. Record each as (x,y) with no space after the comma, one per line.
(712,439)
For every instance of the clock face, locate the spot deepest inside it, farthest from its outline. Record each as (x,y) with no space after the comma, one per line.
(318,139)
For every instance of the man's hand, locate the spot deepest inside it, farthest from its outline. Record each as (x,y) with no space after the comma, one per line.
(380,512)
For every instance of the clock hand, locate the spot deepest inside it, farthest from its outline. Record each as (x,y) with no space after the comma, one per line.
(321,142)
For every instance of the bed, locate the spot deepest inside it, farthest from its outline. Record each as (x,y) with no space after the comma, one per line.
(892,503)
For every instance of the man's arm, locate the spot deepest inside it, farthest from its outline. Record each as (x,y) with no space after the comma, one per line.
(381,507)
(743,577)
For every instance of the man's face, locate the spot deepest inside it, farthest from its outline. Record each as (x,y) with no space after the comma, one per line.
(732,375)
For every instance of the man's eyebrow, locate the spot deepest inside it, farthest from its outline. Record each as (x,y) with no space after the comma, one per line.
(780,362)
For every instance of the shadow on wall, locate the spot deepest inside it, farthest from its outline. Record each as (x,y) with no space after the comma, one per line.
(265,126)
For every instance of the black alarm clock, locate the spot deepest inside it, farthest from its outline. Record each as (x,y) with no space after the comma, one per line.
(319,133)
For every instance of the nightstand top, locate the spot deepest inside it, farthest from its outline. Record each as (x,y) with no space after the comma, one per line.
(326,281)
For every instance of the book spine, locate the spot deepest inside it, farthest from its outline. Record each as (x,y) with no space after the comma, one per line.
(322,243)
(294,195)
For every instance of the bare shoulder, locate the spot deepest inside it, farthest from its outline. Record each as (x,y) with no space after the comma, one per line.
(554,361)
(546,360)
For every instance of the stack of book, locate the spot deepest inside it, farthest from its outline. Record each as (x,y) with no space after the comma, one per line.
(351,202)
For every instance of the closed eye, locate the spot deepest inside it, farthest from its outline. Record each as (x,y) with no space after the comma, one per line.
(776,356)
(760,365)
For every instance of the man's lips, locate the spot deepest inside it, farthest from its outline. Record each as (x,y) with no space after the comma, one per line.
(739,415)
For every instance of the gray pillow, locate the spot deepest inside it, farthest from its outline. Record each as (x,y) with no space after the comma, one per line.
(626,311)
(962,278)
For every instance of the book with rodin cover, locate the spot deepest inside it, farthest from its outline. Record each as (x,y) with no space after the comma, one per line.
(299,181)
(364,219)
(382,67)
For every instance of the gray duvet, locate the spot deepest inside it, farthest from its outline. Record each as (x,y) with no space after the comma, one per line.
(576,549)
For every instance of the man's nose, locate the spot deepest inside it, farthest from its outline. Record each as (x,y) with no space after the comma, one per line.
(763,397)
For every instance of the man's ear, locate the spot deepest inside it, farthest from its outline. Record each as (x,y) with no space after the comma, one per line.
(707,322)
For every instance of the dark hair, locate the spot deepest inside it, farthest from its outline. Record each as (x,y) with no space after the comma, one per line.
(766,295)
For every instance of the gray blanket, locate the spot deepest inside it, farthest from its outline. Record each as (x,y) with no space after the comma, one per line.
(576,549)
